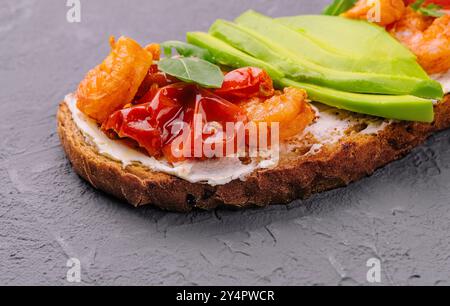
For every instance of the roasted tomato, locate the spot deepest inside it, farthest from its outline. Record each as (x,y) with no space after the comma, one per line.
(150,124)
(154,80)
(170,118)
(114,83)
(245,83)
(206,135)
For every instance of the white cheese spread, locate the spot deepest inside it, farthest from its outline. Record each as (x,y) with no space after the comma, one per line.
(331,125)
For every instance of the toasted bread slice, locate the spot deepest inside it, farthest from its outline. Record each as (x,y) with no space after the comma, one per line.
(298,175)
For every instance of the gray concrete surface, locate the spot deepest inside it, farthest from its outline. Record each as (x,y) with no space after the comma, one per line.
(401,215)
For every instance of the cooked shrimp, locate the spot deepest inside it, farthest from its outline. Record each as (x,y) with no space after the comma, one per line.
(389,11)
(114,83)
(289,109)
(427,37)
(413,21)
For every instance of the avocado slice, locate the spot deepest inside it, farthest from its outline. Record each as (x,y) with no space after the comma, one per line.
(306,56)
(363,39)
(247,42)
(359,40)
(409,108)
(226,55)
(297,42)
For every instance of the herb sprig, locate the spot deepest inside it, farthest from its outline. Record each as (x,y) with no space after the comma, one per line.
(338,7)
(431,9)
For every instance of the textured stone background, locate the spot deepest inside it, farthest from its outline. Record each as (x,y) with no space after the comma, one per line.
(47,214)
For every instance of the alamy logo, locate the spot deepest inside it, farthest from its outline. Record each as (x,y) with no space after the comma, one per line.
(74,13)
(74,273)
(374,14)
(374,273)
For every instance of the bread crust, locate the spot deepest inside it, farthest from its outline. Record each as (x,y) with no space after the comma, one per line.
(297,176)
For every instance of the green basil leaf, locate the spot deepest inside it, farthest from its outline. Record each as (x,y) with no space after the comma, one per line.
(193,70)
(186,50)
(338,7)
